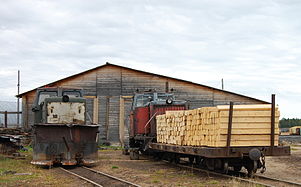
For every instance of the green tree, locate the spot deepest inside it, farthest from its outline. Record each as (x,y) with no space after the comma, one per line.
(289,122)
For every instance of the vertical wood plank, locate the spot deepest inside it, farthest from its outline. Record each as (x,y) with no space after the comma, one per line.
(95,110)
(5,119)
(121,121)
(166,86)
(107,117)
(27,113)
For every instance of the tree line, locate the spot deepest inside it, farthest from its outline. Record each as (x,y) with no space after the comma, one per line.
(289,122)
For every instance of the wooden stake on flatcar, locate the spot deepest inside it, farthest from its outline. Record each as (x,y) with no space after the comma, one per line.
(229,127)
(273,123)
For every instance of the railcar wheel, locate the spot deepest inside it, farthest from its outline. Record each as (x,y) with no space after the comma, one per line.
(125,151)
(158,156)
(171,157)
(210,163)
(191,159)
(226,167)
(198,161)
(177,159)
(237,168)
(134,155)
(251,168)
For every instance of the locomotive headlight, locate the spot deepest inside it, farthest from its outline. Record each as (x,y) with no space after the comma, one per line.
(169,101)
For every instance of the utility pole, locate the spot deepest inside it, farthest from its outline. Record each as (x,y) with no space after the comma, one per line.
(222,84)
(18,100)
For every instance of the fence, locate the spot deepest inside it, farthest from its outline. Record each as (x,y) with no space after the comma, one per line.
(5,121)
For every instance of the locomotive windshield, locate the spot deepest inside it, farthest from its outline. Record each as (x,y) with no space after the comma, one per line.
(164,96)
(145,99)
(46,94)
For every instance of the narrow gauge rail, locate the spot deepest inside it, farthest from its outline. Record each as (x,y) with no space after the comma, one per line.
(98,178)
(276,182)
(257,180)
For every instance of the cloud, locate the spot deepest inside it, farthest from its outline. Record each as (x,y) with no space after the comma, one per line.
(253,45)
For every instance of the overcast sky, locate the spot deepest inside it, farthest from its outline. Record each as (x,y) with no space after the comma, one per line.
(255,46)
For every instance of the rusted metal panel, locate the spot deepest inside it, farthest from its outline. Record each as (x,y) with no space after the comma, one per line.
(66,112)
(65,144)
(219,152)
(141,117)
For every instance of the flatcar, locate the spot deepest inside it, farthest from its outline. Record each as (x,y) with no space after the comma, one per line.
(61,134)
(142,139)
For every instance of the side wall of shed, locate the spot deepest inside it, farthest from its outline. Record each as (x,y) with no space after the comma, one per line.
(107,84)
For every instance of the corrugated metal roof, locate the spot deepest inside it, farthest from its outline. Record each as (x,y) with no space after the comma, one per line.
(109,64)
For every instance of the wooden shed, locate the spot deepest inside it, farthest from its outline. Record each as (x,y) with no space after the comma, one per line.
(109,89)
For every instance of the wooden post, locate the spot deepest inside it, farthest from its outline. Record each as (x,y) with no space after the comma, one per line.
(121,121)
(107,117)
(95,110)
(26,115)
(5,119)
(222,84)
(229,127)
(273,122)
(166,86)
(18,100)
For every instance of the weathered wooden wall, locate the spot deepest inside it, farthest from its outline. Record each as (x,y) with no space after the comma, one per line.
(108,83)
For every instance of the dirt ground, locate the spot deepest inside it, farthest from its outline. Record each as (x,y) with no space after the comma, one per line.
(286,167)
(157,173)
(144,172)
(148,173)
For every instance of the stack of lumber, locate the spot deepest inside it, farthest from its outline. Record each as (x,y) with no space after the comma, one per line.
(208,126)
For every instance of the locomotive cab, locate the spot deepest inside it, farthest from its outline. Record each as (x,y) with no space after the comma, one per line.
(61,132)
(59,106)
(145,108)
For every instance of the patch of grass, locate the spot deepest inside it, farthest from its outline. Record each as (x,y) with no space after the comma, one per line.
(11,166)
(236,183)
(26,149)
(103,157)
(109,147)
(259,185)
(115,167)
(35,176)
(189,175)
(212,182)
(160,172)
(155,181)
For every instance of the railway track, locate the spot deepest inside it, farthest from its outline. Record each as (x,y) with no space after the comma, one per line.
(257,180)
(275,182)
(98,178)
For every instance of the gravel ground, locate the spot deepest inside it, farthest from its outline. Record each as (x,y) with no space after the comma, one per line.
(156,173)
(285,167)
(295,140)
